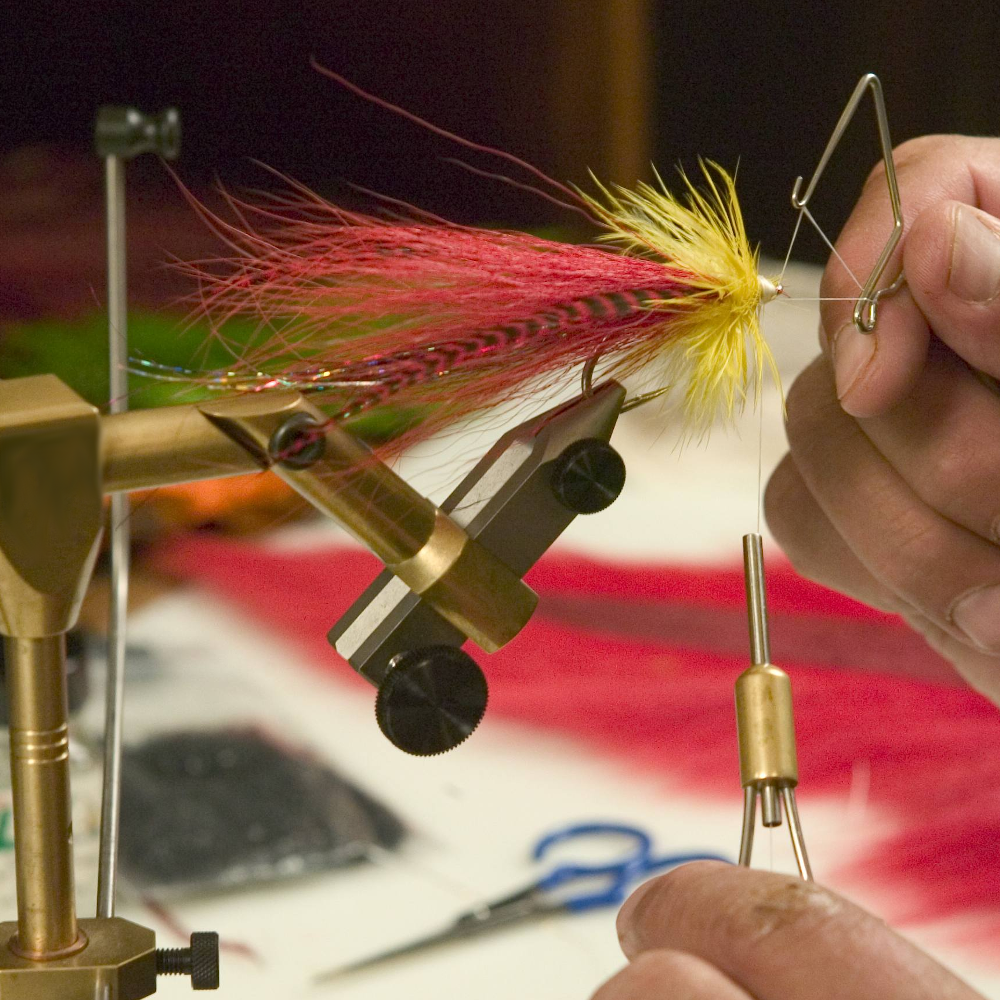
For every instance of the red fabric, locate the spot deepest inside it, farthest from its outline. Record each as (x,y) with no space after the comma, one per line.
(641,660)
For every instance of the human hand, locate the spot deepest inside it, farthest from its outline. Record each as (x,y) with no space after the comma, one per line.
(891,490)
(711,931)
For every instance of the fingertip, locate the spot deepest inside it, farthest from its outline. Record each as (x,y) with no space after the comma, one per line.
(641,907)
(874,371)
(769,935)
(853,354)
(627,916)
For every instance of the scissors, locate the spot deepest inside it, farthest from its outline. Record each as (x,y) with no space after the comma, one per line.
(606,884)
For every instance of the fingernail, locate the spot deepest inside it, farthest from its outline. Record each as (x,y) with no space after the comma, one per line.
(626,934)
(851,353)
(977,614)
(975,257)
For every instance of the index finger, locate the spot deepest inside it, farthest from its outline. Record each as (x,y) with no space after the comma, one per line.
(874,371)
(780,938)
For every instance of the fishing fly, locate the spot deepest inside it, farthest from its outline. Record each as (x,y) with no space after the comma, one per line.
(446,320)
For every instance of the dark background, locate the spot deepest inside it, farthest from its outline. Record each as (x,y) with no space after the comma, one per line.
(760,84)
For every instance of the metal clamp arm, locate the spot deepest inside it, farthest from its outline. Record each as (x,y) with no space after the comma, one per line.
(469,586)
(515,503)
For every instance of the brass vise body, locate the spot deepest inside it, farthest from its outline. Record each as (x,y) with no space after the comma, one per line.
(58,459)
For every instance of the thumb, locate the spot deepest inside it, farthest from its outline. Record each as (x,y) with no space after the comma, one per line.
(952,265)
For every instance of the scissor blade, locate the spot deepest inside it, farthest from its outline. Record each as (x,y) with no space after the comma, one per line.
(382,957)
(466,926)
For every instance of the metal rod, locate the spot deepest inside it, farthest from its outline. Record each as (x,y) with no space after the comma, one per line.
(749,819)
(144,449)
(795,829)
(39,766)
(753,572)
(107,870)
(770,805)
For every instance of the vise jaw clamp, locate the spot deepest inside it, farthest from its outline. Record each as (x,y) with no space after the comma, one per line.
(515,503)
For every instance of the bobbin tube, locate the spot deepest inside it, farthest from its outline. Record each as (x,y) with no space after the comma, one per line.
(765,724)
(753,576)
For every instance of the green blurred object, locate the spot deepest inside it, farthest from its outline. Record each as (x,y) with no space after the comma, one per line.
(76,351)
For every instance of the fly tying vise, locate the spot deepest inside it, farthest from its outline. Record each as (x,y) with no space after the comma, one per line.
(357,312)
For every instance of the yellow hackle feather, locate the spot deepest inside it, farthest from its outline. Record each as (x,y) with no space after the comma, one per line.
(713,341)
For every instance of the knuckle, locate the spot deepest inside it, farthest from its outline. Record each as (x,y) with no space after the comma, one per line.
(914,536)
(793,540)
(918,545)
(912,152)
(946,472)
(784,511)
(808,402)
(782,490)
(921,147)
(798,400)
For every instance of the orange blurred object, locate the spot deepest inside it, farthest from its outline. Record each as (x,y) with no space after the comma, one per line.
(237,505)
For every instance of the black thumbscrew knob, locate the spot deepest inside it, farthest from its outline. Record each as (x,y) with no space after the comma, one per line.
(588,476)
(431,699)
(299,442)
(126,133)
(200,961)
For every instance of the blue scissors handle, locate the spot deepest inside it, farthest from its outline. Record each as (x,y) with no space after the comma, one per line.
(619,876)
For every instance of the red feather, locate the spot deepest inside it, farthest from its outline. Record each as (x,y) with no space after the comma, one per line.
(440,315)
